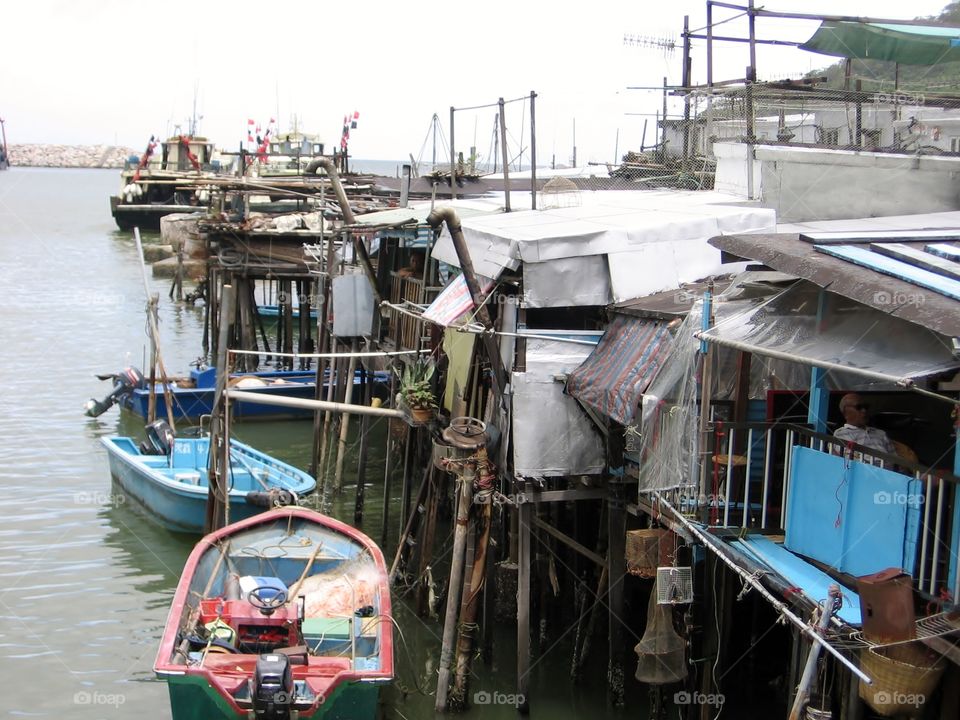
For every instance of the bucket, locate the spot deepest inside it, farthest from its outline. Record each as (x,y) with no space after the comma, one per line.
(904,677)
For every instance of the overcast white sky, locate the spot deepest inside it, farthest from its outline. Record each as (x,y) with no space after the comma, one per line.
(117,71)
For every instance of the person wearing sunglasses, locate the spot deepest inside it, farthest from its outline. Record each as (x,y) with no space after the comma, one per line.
(855,428)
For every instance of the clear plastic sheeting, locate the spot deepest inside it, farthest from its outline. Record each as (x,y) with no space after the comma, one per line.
(669,439)
(849,335)
(552,435)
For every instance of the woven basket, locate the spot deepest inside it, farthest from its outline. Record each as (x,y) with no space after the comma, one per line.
(643,551)
(904,678)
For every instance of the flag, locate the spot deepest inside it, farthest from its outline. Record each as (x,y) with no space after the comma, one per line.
(353,123)
(272,121)
(249,137)
(250,122)
(258,129)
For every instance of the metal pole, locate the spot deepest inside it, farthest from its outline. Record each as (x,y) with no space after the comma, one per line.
(503,149)
(533,150)
(710,43)
(686,92)
(830,606)
(453,159)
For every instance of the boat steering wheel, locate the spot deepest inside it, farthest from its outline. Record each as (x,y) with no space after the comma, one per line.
(268,604)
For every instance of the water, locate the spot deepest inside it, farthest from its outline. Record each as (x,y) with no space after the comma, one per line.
(85,579)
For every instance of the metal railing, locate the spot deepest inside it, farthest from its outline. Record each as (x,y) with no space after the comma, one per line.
(749,475)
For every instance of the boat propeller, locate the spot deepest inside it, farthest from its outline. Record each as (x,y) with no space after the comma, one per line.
(124,382)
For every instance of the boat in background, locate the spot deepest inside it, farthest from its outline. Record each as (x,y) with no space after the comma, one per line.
(284,615)
(168,476)
(193,397)
(154,185)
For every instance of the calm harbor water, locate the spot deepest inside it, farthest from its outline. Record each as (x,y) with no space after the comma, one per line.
(85,578)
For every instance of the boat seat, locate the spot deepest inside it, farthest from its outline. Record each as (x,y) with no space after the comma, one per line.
(189,477)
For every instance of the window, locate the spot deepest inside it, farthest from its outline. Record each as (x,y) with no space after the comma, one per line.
(829,137)
(871,139)
(955,144)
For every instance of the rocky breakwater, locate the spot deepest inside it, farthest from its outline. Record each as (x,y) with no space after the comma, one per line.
(70,156)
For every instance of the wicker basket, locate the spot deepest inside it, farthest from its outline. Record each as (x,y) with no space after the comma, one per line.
(643,551)
(904,678)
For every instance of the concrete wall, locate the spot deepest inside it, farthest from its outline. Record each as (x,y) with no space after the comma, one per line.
(815,184)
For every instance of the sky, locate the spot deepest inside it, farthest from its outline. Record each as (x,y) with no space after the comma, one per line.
(117,71)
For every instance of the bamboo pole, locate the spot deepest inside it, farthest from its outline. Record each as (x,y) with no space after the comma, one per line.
(359,498)
(345,423)
(387,473)
(215,487)
(155,335)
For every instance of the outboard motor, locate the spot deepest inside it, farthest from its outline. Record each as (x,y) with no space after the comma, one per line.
(125,381)
(160,439)
(272,690)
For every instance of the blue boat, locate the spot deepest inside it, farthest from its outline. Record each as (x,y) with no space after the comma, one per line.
(172,487)
(272,312)
(194,398)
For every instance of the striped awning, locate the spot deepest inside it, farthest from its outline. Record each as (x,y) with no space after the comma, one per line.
(613,378)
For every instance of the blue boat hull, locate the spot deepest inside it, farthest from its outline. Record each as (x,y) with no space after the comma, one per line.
(176,497)
(191,403)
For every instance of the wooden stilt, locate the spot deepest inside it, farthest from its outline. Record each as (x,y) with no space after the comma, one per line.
(524,522)
(345,421)
(360,498)
(387,474)
(464,496)
(616,569)
(474,583)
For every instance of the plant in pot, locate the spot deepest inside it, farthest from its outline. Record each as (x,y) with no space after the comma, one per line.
(416,392)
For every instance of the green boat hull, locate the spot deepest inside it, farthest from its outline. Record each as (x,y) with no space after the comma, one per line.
(192,698)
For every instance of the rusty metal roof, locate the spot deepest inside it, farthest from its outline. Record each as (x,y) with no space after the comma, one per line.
(788,253)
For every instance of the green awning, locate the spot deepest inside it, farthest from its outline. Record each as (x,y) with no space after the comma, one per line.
(906,44)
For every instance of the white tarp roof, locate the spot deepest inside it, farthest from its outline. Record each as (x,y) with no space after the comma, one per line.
(649,241)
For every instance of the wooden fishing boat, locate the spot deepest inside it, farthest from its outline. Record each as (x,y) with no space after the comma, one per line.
(284,615)
(169,478)
(160,183)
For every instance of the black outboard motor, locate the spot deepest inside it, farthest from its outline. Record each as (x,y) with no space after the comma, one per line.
(272,690)
(160,439)
(125,381)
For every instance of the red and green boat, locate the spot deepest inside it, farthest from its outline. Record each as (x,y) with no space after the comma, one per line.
(283,616)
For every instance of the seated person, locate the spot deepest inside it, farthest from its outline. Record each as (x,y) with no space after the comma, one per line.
(414,269)
(856,430)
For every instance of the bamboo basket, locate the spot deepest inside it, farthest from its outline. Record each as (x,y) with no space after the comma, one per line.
(643,551)
(904,678)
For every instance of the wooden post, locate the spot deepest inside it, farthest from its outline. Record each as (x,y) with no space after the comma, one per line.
(506,158)
(345,420)
(524,512)
(473,584)
(366,382)
(454,586)
(686,92)
(216,493)
(616,570)
(286,319)
(405,484)
(387,472)
(152,398)
(533,150)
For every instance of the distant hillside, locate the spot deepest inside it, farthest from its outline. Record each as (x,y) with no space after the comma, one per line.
(75,156)
(879,75)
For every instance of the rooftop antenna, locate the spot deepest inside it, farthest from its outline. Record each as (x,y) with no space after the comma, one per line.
(665,43)
(194,120)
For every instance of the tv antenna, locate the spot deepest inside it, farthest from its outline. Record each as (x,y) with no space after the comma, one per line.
(665,43)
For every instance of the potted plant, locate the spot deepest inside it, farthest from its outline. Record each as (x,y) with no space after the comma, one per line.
(416,392)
